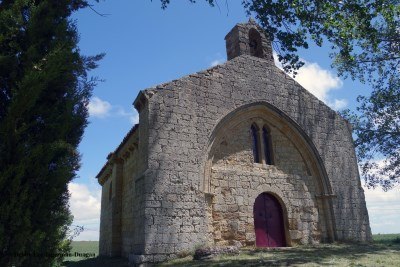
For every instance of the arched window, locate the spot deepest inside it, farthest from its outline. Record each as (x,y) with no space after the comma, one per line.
(256,143)
(255,43)
(110,192)
(267,145)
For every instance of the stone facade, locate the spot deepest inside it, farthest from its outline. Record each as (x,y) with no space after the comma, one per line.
(186,176)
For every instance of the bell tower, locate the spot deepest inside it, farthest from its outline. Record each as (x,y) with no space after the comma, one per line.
(248,39)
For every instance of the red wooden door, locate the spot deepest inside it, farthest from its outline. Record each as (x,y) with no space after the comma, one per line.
(268,222)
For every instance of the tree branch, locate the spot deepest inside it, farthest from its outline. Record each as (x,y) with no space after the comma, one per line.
(98,13)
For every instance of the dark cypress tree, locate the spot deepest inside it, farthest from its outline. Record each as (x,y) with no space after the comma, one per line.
(44,92)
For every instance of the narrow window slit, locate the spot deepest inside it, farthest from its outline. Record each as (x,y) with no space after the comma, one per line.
(256,144)
(267,146)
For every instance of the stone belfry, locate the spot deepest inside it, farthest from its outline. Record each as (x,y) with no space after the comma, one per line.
(248,39)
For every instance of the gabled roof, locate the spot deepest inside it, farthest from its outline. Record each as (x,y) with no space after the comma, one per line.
(123,142)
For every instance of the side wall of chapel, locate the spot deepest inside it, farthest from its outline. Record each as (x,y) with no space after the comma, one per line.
(122,203)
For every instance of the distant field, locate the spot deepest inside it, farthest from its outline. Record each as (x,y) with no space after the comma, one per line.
(80,249)
(387,238)
(384,251)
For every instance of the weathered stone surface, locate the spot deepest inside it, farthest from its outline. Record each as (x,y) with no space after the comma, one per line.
(210,252)
(187,176)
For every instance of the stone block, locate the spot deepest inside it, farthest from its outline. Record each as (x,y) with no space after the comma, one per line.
(295,234)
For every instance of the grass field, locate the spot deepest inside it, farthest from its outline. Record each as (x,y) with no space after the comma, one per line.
(85,254)
(384,251)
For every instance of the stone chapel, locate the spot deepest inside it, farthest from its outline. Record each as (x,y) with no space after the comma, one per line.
(238,154)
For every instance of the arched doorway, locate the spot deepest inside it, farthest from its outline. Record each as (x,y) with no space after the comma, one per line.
(268,221)
(269,115)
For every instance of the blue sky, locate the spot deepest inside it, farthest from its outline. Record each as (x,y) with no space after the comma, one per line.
(145,46)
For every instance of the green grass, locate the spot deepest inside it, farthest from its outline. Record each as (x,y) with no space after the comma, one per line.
(80,249)
(386,239)
(384,251)
(83,249)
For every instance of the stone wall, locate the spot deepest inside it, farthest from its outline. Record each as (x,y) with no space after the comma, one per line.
(236,181)
(105,220)
(183,115)
(122,214)
(130,204)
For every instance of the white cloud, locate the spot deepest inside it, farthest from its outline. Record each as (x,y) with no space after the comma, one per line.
(384,210)
(383,207)
(378,196)
(216,62)
(99,108)
(338,104)
(318,81)
(276,61)
(132,115)
(216,59)
(134,119)
(85,207)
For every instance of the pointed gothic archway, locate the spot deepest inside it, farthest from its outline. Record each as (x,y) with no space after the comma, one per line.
(304,144)
(268,222)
